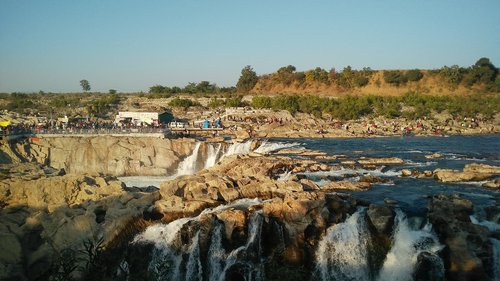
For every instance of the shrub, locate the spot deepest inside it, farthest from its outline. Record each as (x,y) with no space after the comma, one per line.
(395,77)
(261,102)
(178,102)
(414,75)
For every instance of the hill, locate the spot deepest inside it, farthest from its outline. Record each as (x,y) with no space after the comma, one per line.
(480,77)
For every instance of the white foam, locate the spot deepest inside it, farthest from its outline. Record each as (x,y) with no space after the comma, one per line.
(407,244)
(268,147)
(492,226)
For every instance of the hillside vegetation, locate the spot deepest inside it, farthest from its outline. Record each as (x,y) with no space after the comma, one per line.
(480,77)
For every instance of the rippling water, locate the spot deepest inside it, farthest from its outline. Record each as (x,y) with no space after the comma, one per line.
(412,193)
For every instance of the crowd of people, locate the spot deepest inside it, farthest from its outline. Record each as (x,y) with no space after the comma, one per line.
(80,127)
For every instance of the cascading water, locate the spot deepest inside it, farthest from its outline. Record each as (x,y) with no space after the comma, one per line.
(167,257)
(268,147)
(492,226)
(188,165)
(212,155)
(248,257)
(407,244)
(194,270)
(216,254)
(238,148)
(342,253)
(173,261)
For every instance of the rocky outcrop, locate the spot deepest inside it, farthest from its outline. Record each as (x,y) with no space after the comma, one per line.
(468,250)
(40,219)
(381,161)
(117,156)
(349,185)
(482,169)
(237,177)
(471,172)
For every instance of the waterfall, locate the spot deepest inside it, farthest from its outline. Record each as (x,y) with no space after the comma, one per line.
(342,253)
(496,259)
(285,176)
(193,268)
(212,155)
(268,147)
(216,254)
(248,256)
(173,261)
(167,258)
(188,165)
(238,148)
(406,246)
(493,227)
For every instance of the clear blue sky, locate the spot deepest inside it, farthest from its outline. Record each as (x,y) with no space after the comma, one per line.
(51,45)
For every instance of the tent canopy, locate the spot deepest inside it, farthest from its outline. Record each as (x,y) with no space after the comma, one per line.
(4,123)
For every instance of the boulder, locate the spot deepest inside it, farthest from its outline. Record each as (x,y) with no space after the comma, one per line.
(372,179)
(467,245)
(448,175)
(492,184)
(482,169)
(434,156)
(308,185)
(406,172)
(381,161)
(381,218)
(429,267)
(346,185)
(232,219)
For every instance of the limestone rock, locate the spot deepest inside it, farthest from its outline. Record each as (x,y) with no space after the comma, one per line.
(434,156)
(381,161)
(468,247)
(406,172)
(109,155)
(447,175)
(381,217)
(492,184)
(346,185)
(482,169)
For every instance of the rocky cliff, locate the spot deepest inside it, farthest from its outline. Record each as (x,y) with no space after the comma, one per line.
(117,156)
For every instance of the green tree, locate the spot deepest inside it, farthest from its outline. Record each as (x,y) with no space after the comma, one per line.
(112,91)
(206,87)
(247,80)
(286,74)
(157,89)
(85,85)
(452,75)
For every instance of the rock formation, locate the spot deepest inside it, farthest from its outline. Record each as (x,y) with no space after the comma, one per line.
(468,251)
(117,156)
(42,218)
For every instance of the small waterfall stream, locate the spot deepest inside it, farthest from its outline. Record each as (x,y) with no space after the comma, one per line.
(171,260)
(188,165)
(248,257)
(407,244)
(213,153)
(216,254)
(342,253)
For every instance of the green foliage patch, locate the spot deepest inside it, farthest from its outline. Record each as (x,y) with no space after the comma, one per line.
(354,107)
